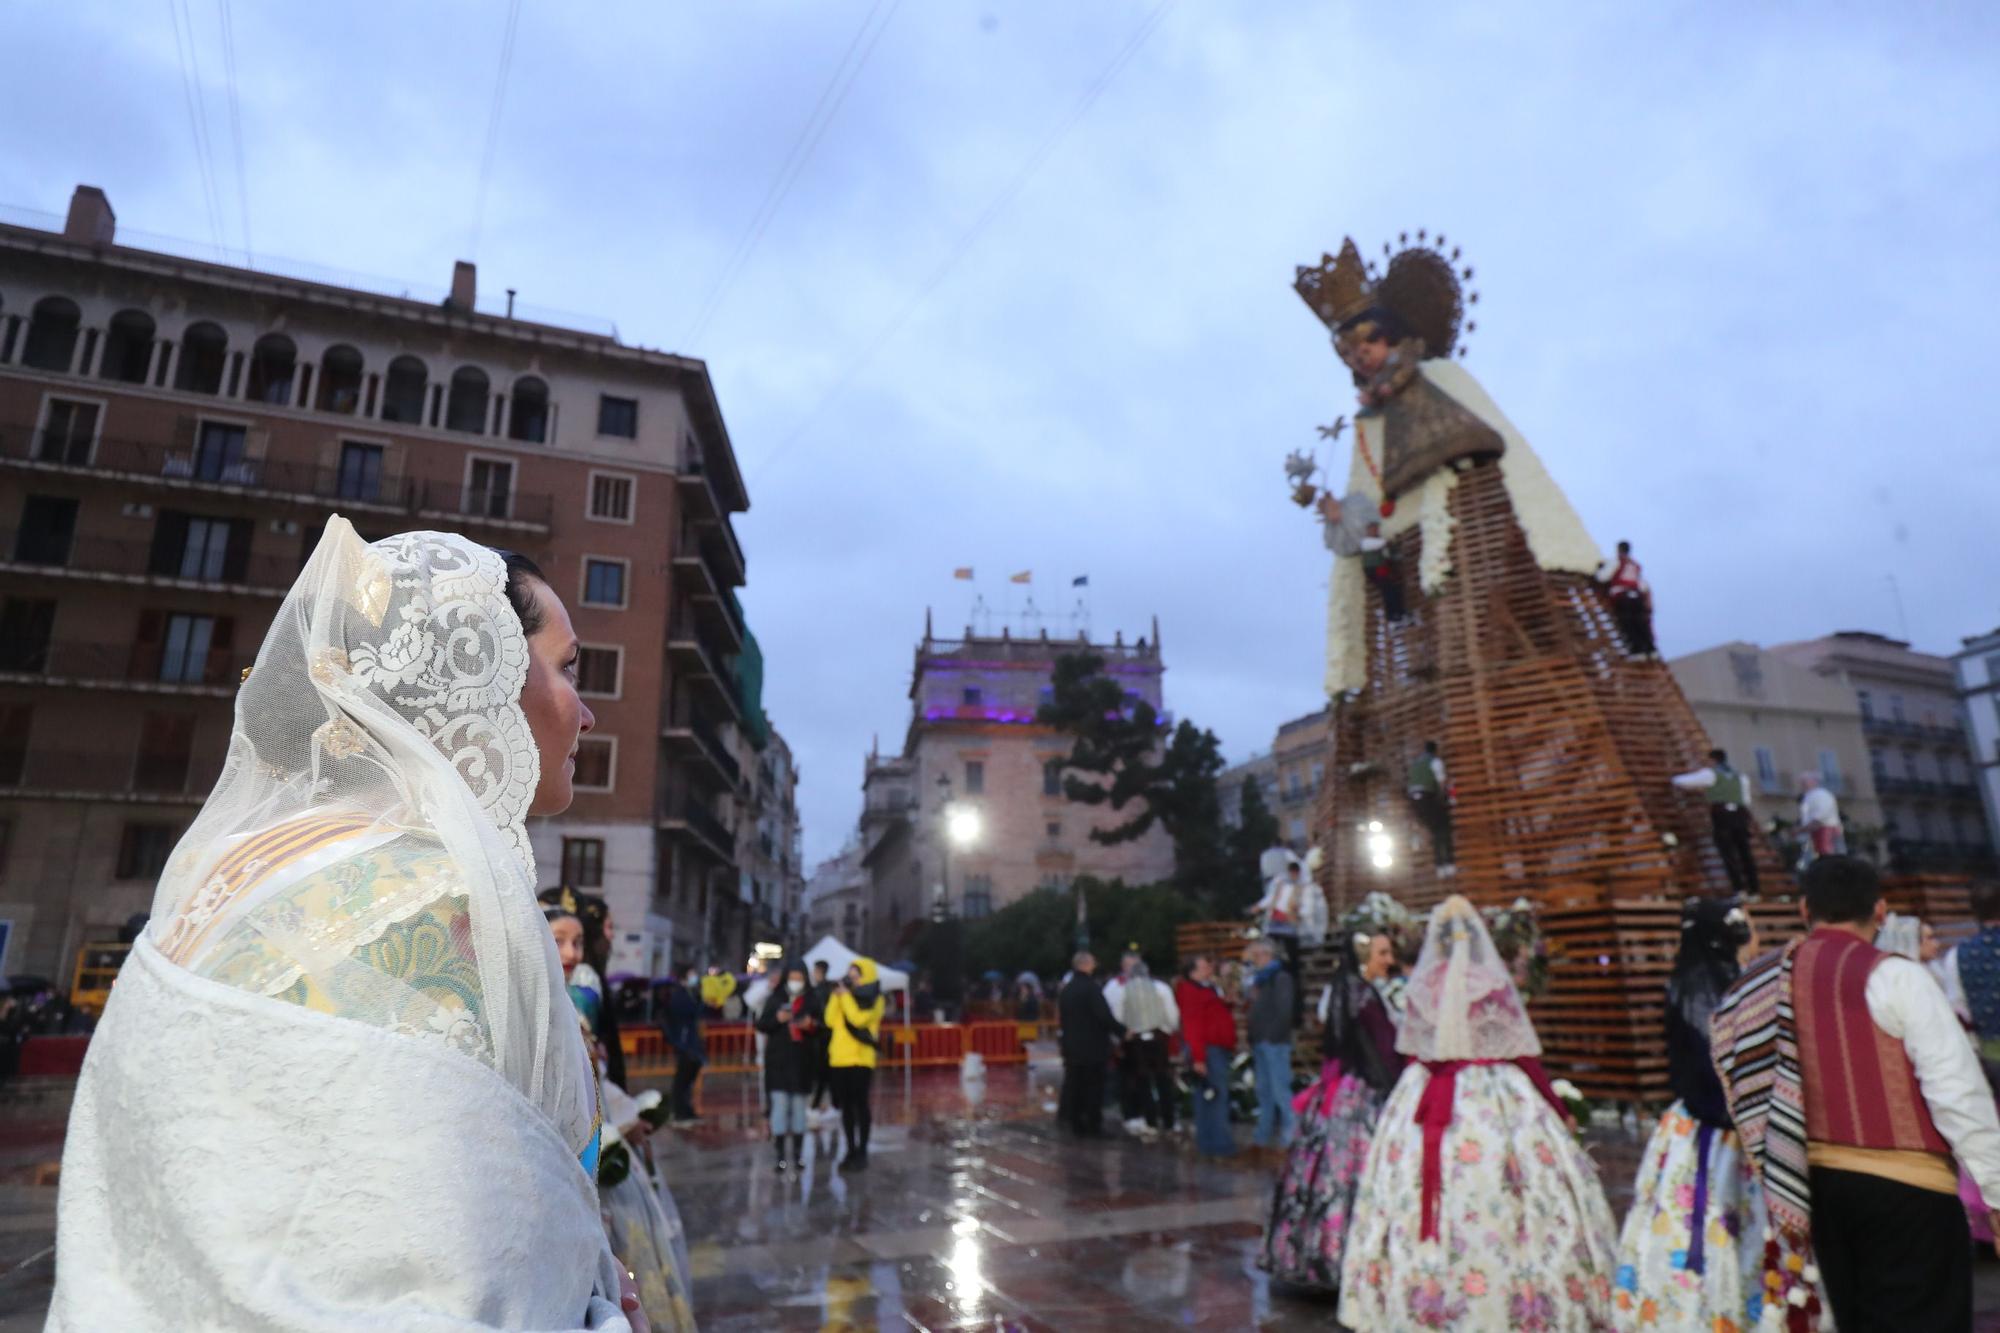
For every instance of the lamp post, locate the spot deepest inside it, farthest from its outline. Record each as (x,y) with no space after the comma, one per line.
(960,826)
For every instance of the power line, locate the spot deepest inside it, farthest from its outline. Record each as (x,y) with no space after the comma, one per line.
(236,126)
(810,133)
(197,123)
(493,123)
(972,233)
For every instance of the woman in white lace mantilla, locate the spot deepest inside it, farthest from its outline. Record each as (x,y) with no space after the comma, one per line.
(339,1083)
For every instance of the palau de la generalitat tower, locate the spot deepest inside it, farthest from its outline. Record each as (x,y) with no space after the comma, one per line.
(1559,744)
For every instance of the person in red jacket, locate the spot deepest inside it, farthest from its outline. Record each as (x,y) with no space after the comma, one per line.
(1208,1027)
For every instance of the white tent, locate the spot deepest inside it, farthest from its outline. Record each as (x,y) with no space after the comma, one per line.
(838,958)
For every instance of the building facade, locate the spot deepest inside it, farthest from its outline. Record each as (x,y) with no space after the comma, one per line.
(1301,750)
(1777,721)
(836,900)
(1976,675)
(769,846)
(973,741)
(1920,755)
(174,435)
(1261,769)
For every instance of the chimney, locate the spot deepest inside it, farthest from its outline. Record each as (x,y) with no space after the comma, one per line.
(90,221)
(464,284)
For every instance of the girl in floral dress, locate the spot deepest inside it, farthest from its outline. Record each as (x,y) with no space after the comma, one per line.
(1309,1212)
(1477,1209)
(1693,1243)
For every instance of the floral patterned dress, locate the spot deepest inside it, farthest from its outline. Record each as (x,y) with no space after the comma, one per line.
(1524,1235)
(1309,1214)
(1657,1285)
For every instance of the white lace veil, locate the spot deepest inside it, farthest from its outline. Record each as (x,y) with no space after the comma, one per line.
(1461,1003)
(1901,934)
(384,709)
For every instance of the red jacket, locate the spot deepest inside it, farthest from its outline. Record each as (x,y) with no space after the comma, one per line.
(1205,1019)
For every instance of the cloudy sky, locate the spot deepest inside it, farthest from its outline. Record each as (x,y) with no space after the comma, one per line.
(1025,302)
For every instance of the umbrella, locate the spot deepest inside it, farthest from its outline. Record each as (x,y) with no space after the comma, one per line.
(993,974)
(1028,979)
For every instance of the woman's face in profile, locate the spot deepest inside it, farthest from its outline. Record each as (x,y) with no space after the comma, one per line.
(556,714)
(569,941)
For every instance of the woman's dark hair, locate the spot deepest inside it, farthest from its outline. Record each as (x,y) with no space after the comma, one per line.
(519,570)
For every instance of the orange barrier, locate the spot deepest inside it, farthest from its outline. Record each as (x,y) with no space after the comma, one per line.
(732,1046)
(1001,1043)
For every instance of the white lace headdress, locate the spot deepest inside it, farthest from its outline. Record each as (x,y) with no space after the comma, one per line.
(386,698)
(1461,1002)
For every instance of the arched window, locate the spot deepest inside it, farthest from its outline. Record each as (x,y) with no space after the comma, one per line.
(529,419)
(128,347)
(204,352)
(465,406)
(51,334)
(274,361)
(403,391)
(340,380)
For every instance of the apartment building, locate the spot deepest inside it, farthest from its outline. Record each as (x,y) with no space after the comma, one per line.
(1976,675)
(174,434)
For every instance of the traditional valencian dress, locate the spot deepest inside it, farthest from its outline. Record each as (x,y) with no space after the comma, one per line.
(1313,1204)
(338,1085)
(1691,1253)
(1477,1209)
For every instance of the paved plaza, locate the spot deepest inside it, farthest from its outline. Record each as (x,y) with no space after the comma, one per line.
(971,1215)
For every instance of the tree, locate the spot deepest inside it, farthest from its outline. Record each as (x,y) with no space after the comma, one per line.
(1256,830)
(1119,754)
(1036,932)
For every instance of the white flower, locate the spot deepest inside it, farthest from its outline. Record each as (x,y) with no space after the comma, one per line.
(1566,1090)
(1811,1274)
(648,1099)
(1796,1296)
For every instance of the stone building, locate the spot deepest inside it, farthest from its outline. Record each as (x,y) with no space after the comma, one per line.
(973,739)
(1259,768)
(1919,754)
(1778,720)
(836,899)
(174,434)
(1289,776)
(1976,672)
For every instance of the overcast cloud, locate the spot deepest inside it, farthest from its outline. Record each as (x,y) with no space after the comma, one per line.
(1737,268)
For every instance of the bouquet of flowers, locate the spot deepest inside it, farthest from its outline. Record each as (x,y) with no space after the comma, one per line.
(1517,937)
(1575,1102)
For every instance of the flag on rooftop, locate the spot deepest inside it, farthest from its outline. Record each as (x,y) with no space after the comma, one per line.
(1080,581)
(962,572)
(1025,576)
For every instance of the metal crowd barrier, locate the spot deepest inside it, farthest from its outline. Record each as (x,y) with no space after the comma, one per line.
(732,1047)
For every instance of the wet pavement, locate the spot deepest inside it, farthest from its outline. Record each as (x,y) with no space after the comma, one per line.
(974,1213)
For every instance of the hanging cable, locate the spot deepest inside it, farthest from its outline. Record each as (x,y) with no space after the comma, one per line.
(236,127)
(204,170)
(972,233)
(493,124)
(810,133)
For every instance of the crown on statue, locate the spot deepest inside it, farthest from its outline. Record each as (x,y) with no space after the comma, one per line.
(1339,289)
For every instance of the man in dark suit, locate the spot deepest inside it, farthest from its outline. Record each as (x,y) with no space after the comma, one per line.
(1088,1032)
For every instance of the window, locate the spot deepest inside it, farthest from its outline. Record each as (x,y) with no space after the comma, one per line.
(1911,768)
(128,348)
(52,327)
(596,762)
(143,850)
(14,720)
(1993,668)
(218,453)
(489,490)
(1829,769)
(340,380)
(1767,769)
(166,746)
(465,408)
(1896,707)
(1054,830)
(274,361)
(977,898)
(25,626)
(972,696)
(403,390)
(603,582)
(528,419)
(205,551)
(184,655)
(204,353)
(975,777)
(597,671)
(68,432)
(611,497)
(583,863)
(618,416)
(48,527)
(1867,705)
(1052,778)
(1878,765)
(1318,774)
(360,471)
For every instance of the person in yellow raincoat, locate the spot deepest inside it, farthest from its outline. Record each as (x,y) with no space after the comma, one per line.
(854,1027)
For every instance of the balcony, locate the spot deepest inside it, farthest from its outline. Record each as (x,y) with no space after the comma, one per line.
(1911,856)
(147,668)
(695,652)
(689,818)
(185,468)
(693,734)
(109,560)
(710,594)
(1914,731)
(108,775)
(704,507)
